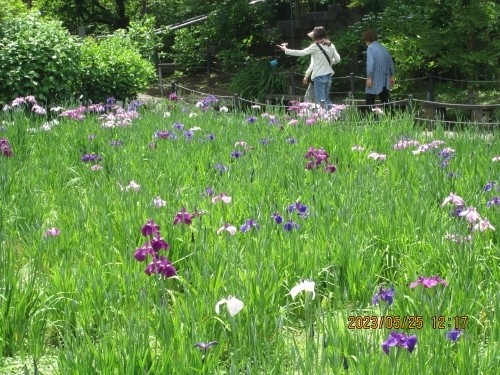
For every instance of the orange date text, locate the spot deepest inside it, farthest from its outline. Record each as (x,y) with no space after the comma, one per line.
(388,321)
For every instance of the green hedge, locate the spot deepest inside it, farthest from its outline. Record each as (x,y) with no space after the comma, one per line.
(38,57)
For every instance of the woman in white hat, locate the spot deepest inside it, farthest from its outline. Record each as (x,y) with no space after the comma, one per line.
(323,56)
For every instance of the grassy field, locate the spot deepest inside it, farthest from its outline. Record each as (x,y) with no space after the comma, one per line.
(122,231)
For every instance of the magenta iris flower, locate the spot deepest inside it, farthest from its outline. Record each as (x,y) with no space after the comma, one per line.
(5,147)
(161,266)
(183,217)
(401,340)
(173,96)
(428,282)
(454,334)
(158,243)
(149,228)
(142,252)
(386,295)
(249,224)
(330,168)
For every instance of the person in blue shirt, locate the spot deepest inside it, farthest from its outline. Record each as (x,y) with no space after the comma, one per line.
(379,69)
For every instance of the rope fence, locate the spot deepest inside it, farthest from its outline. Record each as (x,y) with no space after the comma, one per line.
(433,112)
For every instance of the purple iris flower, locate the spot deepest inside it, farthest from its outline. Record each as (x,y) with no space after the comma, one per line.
(164,134)
(264,141)
(401,340)
(236,154)
(251,119)
(91,157)
(211,137)
(142,252)
(493,201)
(111,100)
(292,141)
(149,228)
(290,225)
(277,217)
(158,243)
(489,186)
(161,266)
(301,209)
(272,121)
(178,126)
(183,217)
(116,143)
(444,164)
(386,295)
(454,334)
(221,167)
(249,224)
(205,346)
(209,192)
(456,212)
(452,174)
(189,135)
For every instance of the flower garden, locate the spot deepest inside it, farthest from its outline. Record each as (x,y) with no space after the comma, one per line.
(183,238)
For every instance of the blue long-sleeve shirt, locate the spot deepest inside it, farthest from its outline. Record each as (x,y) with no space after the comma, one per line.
(379,66)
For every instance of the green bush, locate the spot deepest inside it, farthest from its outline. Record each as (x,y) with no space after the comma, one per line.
(259,78)
(37,57)
(114,68)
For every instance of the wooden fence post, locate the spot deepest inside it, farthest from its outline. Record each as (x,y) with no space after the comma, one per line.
(236,99)
(351,78)
(292,81)
(174,88)
(430,93)
(209,58)
(160,82)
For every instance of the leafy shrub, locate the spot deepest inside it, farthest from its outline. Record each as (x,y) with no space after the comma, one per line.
(37,57)
(114,68)
(259,78)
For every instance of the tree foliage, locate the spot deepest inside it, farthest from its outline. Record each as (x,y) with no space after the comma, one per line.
(11,8)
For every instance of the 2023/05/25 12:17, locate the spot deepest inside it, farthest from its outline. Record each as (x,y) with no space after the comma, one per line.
(443,322)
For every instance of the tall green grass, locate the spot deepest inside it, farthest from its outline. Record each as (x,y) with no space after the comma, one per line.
(80,303)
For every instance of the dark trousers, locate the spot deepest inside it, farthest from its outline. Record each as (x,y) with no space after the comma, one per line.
(370,100)
(383,96)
